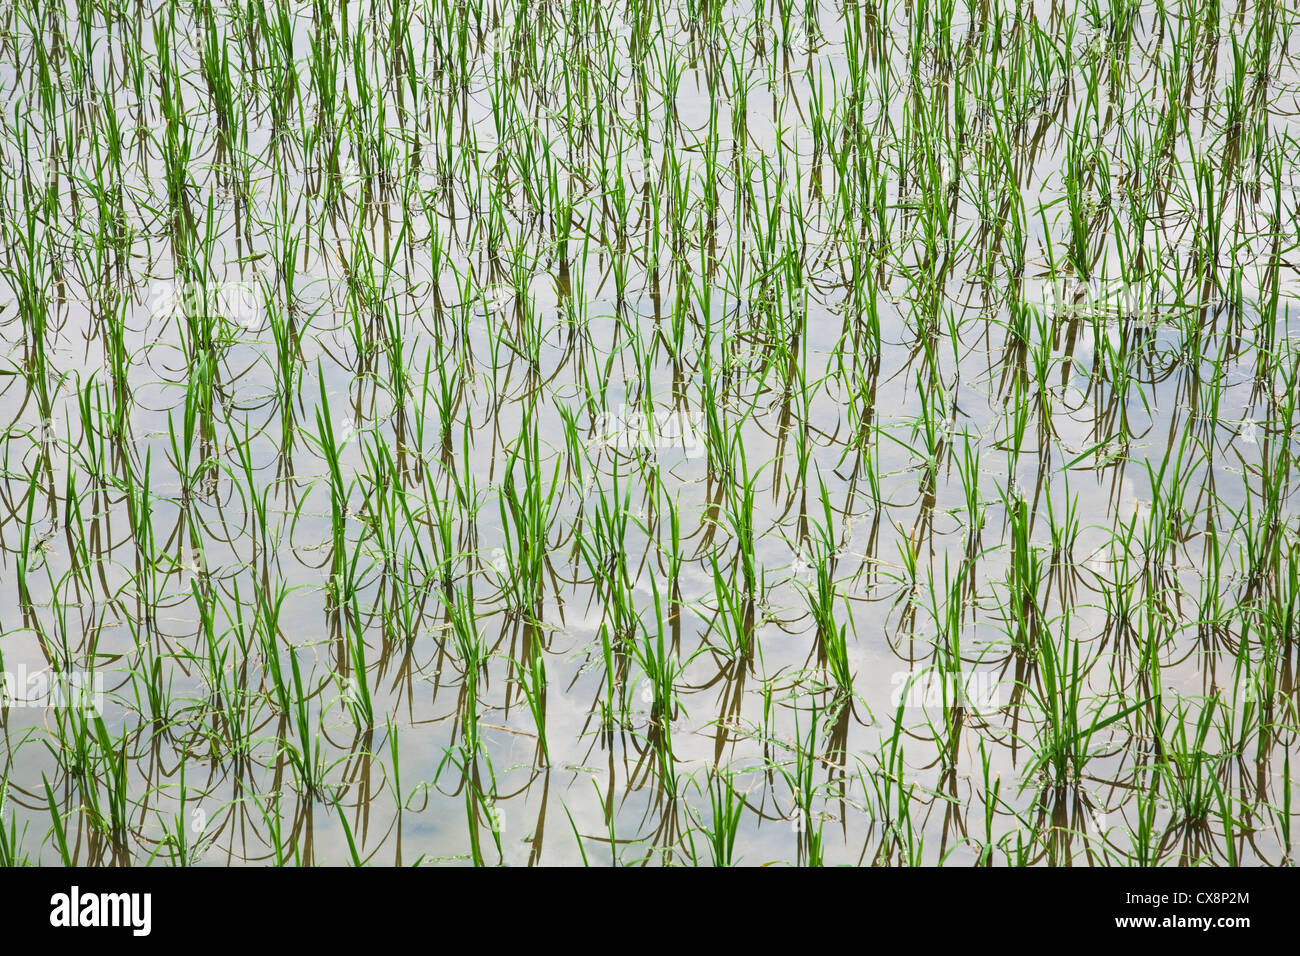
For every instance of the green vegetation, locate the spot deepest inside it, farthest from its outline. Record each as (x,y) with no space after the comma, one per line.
(693,433)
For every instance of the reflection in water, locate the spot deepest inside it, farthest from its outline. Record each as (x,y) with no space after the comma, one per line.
(543,435)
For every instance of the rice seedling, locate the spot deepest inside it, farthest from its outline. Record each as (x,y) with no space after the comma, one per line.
(646,395)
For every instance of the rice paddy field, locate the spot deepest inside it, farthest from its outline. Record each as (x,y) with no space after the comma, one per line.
(563,432)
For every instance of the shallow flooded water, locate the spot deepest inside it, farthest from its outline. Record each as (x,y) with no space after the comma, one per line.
(701,433)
